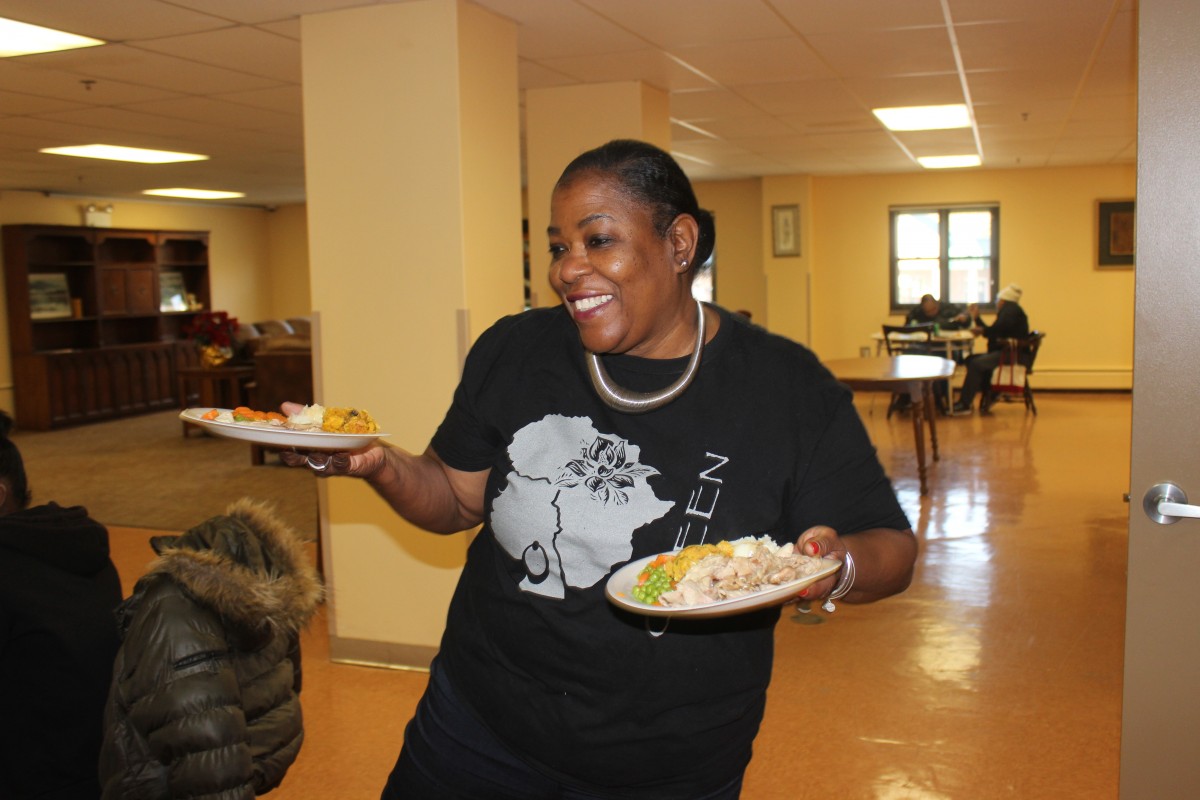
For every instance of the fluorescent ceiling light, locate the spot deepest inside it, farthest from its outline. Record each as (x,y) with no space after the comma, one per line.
(22,39)
(924,118)
(949,162)
(195,194)
(114,152)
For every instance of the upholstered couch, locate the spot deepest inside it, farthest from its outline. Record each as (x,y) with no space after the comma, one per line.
(281,352)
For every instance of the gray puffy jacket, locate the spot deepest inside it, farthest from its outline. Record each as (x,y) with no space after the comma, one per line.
(205,700)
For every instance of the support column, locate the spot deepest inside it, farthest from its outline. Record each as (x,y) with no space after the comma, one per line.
(412,156)
(561,123)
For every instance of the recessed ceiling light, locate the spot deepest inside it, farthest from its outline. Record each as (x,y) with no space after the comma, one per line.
(949,162)
(112,152)
(195,194)
(22,39)
(924,118)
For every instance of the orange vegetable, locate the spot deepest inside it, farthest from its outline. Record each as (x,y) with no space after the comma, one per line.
(210,414)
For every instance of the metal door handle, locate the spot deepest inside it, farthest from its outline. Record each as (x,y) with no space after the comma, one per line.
(1166,503)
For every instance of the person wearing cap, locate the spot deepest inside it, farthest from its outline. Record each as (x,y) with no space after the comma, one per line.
(1010,323)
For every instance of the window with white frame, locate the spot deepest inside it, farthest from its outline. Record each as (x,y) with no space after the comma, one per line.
(949,252)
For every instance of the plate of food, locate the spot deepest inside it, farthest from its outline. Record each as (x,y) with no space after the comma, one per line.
(713,580)
(313,428)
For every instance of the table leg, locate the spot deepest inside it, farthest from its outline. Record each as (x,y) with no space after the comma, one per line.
(931,416)
(920,411)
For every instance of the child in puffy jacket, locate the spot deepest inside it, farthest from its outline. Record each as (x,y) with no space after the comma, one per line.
(205,691)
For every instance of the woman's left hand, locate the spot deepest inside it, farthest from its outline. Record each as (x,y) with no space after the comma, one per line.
(821,541)
(883,562)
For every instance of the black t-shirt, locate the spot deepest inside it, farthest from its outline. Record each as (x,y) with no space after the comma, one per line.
(764,441)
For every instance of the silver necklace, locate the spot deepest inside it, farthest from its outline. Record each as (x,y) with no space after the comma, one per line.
(621,399)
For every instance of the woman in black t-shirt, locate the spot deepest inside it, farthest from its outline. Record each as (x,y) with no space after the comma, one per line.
(628,421)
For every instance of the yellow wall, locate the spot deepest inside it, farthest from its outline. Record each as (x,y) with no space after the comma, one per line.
(287,262)
(1047,245)
(741,283)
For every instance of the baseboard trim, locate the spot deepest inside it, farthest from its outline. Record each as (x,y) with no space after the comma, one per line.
(385,655)
(1081,379)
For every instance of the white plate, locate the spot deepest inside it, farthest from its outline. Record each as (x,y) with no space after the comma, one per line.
(619,590)
(272,436)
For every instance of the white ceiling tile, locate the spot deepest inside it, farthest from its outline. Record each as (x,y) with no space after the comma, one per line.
(814,100)
(1106,109)
(866,53)
(702,104)
(652,67)
(284,99)
(242,49)
(131,65)
(741,127)
(1051,82)
(205,109)
(775,60)
(258,11)
(808,17)
(672,24)
(909,90)
(563,28)
(121,120)
(1020,85)
(20,103)
(18,75)
(1047,47)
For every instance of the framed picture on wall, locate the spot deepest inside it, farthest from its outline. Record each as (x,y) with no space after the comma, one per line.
(1116,238)
(785,231)
(172,291)
(49,296)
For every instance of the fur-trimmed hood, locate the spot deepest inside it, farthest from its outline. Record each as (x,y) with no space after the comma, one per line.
(246,565)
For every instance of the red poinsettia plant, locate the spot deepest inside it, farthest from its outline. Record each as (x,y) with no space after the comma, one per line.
(214,328)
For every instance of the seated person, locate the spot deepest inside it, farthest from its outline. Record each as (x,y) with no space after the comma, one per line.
(58,638)
(1010,323)
(930,309)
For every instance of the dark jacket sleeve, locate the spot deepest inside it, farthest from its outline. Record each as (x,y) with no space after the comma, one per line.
(175,723)
(1011,323)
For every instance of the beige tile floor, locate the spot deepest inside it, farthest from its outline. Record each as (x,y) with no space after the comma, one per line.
(997,675)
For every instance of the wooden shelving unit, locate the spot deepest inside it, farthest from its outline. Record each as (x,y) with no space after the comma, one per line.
(91,334)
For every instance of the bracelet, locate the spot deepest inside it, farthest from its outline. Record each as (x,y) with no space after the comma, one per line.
(844,585)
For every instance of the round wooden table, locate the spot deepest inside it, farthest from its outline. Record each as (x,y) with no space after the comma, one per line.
(912,374)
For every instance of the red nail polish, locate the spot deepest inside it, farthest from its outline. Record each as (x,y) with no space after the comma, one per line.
(803,593)
(813,548)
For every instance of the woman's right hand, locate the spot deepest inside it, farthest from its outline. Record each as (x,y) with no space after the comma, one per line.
(357,464)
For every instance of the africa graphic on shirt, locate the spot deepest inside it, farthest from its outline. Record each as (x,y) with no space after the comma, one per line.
(571,504)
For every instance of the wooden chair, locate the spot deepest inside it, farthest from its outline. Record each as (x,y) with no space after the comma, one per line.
(909,339)
(1010,380)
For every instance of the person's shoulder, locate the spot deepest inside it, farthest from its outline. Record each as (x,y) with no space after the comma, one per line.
(771,350)
(530,322)
(522,328)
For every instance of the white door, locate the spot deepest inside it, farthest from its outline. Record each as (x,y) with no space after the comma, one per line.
(1160,730)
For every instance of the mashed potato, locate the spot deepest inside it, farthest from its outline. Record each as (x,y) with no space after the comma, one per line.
(308,418)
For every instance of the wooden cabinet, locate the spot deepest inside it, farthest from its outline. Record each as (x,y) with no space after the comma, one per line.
(96,318)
